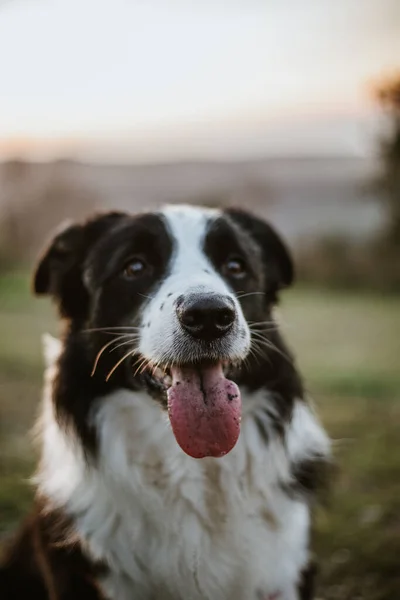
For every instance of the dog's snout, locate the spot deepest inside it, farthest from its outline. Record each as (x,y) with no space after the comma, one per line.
(207,316)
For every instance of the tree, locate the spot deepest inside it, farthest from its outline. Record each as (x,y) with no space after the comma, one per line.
(388,95)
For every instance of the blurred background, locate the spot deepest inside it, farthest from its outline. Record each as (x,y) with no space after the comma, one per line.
(289,108)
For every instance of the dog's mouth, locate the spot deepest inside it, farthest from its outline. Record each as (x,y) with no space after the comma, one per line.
(204,407)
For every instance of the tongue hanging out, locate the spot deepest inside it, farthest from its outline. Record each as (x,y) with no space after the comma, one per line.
(204,409)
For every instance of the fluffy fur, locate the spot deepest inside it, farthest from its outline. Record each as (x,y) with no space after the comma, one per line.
(122,511)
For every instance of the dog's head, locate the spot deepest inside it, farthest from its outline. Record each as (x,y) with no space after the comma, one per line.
(172,300)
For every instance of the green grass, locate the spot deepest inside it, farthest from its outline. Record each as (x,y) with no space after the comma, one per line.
(348,347)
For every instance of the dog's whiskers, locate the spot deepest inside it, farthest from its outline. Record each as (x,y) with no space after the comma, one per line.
(268,344)
(131,339)
(148,364)
(259,353)
(166,367)
(250,294)
(103,349)
(261,323)
(261,333)
(121,360)
(155,367)
(139,359)
(112,329)
(143,362)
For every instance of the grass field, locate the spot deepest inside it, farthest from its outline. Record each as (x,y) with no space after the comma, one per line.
(349,350)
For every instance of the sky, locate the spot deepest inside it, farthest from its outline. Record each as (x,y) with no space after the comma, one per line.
(143,79)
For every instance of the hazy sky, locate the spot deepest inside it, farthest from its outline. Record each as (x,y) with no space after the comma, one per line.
(130,72)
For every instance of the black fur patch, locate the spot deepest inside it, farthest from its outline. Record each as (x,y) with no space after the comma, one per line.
(312,477)
(307,582)
(45,563)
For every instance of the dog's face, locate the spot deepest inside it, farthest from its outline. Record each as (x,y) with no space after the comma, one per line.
(170,300)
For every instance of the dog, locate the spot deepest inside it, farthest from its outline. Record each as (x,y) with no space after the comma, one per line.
(180,458)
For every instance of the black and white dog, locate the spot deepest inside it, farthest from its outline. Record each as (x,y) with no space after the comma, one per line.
(179,454)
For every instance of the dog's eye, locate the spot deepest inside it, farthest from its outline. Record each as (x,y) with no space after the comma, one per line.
(235,267)
(134,268)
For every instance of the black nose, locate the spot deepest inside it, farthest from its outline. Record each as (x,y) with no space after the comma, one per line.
(207,316)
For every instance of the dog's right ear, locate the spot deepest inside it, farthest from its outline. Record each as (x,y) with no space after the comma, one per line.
(59,272)
(58,258)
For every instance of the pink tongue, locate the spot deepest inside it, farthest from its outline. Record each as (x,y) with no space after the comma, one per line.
(204,409)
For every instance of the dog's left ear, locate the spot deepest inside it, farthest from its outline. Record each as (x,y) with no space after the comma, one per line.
(279,268)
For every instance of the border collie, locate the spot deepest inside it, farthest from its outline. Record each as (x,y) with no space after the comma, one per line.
(179,454)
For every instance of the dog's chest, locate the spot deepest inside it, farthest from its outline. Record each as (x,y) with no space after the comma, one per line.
(214,529)
(206,544)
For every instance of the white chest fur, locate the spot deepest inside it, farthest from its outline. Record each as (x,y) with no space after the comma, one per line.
(173,527)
